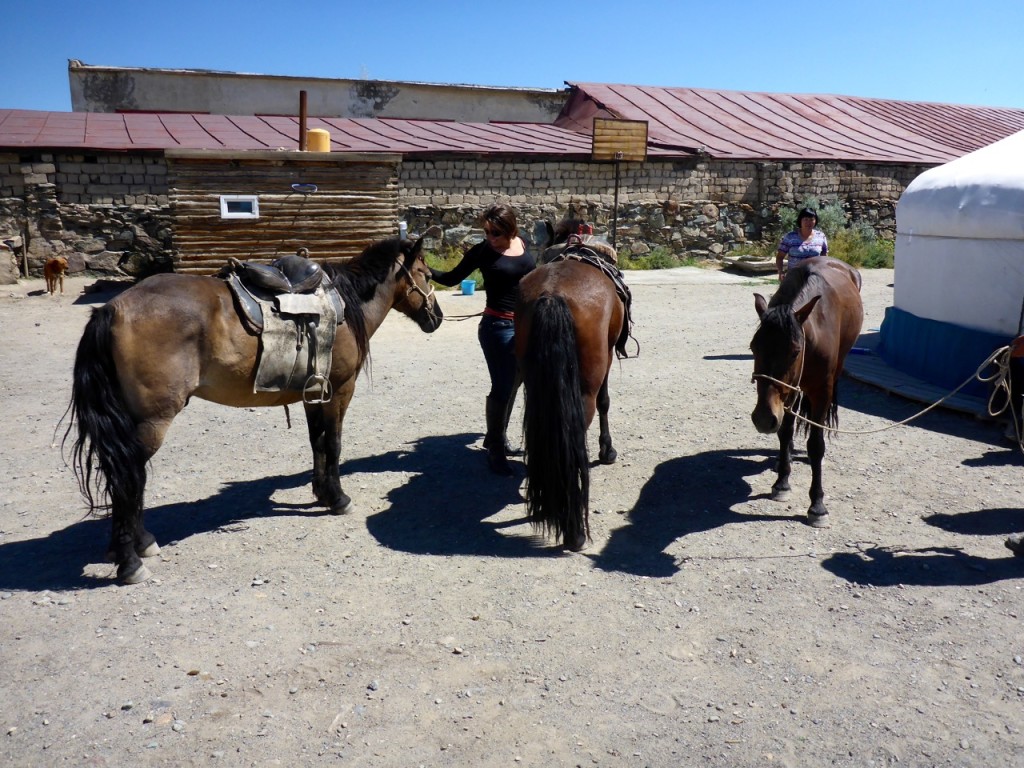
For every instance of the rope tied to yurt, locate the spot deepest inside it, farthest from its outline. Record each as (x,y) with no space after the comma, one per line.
(1000,380)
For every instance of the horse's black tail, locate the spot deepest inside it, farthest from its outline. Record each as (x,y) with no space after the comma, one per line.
(557,466)
(108,458)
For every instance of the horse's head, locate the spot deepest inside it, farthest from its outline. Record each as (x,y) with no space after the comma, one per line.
(778,347)
(414,295)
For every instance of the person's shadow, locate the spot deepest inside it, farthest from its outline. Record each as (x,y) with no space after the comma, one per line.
(444,507)
(922,567)
(684,496)
(936,566)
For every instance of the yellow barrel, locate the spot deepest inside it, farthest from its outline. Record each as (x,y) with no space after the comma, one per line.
(318,140)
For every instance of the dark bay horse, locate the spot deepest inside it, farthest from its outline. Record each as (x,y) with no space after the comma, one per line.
(799,348)
(569,319)
(172,337)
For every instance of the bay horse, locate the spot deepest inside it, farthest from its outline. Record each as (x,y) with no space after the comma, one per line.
(569,319)
(176,336)
(799,348)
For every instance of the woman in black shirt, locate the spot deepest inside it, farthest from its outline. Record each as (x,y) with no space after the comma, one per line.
(503,260)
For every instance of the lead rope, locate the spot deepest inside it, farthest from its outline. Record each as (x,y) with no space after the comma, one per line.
(1000,358)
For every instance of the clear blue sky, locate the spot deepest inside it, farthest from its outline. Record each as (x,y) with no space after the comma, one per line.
(940,50)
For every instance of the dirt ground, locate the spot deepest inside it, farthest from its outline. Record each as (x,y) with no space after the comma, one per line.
(704,625)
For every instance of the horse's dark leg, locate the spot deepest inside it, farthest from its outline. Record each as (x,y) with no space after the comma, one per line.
(317,441)
(126,524)
(143,542)
(817,515)
(324,422)
(781,488)
(606,452)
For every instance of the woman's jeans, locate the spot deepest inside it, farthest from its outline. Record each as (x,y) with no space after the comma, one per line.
(497,340)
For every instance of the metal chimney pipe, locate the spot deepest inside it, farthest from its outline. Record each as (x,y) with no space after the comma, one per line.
(302,121)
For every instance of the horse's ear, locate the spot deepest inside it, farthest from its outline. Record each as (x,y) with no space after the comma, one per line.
(760,304)
(551,232)
(804,312)
(416,248)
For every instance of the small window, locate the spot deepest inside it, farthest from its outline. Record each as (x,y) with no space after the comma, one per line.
(239,207)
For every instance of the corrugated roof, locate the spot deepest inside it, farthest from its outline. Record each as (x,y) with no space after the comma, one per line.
(24,129)
(775,126)
(739,125)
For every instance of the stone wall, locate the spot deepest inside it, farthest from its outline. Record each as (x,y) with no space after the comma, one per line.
(699,207)
(110,213)
(107,213)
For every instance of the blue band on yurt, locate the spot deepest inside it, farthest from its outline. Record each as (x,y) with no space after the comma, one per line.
(941,354)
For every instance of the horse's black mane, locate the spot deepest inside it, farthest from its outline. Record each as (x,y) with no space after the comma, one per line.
(796,281)
(357,281)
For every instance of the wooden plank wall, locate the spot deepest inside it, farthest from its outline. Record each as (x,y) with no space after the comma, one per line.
(356,203)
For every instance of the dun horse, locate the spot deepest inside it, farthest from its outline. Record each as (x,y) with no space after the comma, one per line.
(569,318)
(799,348)
(173,337)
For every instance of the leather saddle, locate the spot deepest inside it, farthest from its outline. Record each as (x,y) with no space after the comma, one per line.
(289,274)
(251,283)
(576,250)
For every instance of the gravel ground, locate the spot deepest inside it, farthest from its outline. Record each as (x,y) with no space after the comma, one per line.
(704,625)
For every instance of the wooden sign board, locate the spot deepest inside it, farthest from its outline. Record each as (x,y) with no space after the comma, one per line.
(619,140)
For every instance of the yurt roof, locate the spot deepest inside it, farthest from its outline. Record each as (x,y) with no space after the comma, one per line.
(977,196)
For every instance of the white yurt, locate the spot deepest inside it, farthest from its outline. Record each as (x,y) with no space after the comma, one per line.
(959,278)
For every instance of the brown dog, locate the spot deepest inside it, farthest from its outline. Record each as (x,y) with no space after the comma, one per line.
(53,271)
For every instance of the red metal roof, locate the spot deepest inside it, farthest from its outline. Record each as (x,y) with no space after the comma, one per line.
(778,126)
(738,125)
(24,129)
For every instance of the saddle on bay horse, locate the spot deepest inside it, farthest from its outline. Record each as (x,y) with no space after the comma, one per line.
(577,249)
(295,314)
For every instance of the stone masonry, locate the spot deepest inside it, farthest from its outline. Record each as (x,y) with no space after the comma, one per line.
(110,213)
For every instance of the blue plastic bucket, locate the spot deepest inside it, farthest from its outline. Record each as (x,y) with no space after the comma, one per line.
(468,287)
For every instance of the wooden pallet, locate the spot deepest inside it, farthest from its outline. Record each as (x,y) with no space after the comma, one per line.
(864,365)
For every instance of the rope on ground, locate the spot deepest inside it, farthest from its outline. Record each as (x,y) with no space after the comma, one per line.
(1000,379)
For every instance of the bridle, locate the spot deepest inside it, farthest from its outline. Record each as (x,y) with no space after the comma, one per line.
(428,295)
(793,400)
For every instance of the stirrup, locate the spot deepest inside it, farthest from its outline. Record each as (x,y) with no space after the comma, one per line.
(317,390)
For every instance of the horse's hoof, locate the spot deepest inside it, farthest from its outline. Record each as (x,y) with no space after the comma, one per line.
(342,507)
(818,521)
(577,543)
(780,494)
(137,576)
(1015,544)
(610,457)
(151,551)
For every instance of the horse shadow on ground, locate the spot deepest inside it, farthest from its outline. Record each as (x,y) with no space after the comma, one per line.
(55,561)
(441,509)
(685,495)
